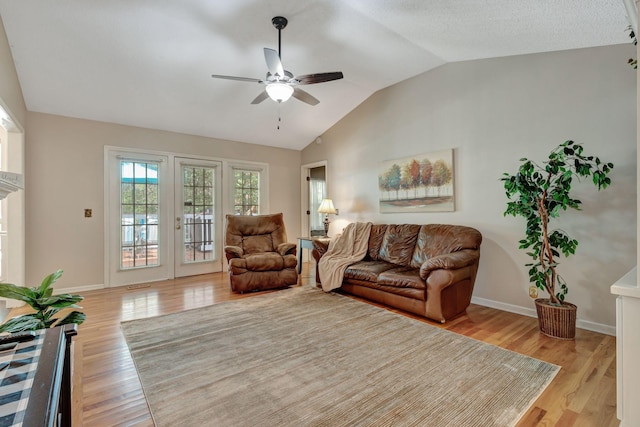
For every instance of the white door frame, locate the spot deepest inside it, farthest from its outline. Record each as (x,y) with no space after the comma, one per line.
(114,275)
(304,192)
(304,196)
(189,269)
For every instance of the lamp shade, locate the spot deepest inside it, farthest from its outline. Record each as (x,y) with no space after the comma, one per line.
(326,207)
(279,92)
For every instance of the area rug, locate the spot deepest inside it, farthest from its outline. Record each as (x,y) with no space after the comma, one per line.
(300,357)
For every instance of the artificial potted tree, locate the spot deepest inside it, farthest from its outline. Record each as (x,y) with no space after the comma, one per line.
(539,192)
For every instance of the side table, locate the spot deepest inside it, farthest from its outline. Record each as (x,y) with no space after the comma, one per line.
(306,243)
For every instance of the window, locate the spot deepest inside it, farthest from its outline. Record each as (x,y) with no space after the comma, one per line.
(138,214)
(249,184)
(198,207)
(317,192)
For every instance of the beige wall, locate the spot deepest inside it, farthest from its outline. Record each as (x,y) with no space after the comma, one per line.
(493,112)
(65,174)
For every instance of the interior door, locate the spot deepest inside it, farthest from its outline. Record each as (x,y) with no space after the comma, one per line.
(198,217)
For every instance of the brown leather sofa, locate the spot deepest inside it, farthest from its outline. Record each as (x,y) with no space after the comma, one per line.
(428,270)
(258,253)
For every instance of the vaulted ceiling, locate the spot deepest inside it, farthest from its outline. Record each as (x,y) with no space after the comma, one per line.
(148,63)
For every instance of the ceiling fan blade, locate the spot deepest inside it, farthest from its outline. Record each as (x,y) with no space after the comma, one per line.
(242,79)
(309,79)
(273,62)
(263,95)
(303,96)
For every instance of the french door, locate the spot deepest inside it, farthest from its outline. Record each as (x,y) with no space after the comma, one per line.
(198,217)
(163,217)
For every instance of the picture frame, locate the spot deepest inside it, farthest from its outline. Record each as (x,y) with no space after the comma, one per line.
(421,183)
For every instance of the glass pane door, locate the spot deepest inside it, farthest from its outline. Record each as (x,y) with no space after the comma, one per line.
(198,221)
(138,204)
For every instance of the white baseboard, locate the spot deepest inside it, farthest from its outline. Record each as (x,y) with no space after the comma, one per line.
(530,312)
(78,289)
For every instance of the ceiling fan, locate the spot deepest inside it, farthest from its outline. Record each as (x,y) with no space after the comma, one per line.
(281,84)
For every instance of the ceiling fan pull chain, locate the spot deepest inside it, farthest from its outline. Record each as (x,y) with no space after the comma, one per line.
(279,116)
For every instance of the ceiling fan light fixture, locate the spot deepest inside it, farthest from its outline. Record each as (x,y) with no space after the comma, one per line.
(279,92)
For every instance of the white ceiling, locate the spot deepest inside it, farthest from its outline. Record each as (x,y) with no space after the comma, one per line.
(148,62)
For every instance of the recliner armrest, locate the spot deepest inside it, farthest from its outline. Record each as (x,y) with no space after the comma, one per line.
(233,252)
(286,248)
(452,261)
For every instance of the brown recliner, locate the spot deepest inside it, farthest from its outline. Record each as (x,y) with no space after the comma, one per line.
(258,253)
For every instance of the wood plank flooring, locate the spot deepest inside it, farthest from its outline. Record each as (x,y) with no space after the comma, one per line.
(107,391)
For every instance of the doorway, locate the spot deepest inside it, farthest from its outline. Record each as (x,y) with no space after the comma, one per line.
(314,189)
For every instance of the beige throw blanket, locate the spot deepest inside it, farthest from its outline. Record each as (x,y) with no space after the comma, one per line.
(347,248)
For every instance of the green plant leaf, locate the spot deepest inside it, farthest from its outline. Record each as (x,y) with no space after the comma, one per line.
(48,281)
(26,322)
(20,293)
(60,301)
(73,317)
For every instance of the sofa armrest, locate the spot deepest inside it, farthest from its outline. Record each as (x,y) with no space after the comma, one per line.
(233,252)
(452,261)
(286,248)
(320,247)
(449,292)
(450,279)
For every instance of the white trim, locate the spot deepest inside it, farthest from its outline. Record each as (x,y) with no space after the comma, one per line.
(304,191)
(182,269)
(14,214)
(530,312)
(78,289)
(113,274)
(231,166)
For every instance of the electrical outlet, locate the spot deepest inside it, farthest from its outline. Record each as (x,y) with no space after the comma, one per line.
(88,213)
(533,292)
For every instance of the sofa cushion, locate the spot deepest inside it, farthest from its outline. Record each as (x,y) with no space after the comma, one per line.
(266,261)
(412,293)
(402,277)
(375,240)
(367,270)
(399,244)
(439,239)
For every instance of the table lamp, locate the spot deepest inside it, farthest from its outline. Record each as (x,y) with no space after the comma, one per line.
(326,207)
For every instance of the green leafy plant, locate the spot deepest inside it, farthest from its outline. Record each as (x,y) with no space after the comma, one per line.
(44,302)
(541,192)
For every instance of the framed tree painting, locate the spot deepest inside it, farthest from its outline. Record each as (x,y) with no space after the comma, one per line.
(422,183)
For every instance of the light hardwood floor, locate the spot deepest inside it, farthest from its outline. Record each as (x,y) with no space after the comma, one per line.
(107,391)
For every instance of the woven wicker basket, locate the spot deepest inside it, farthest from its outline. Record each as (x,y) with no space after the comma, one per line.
(556,321)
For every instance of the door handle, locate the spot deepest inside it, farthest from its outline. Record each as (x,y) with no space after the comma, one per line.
(178,227)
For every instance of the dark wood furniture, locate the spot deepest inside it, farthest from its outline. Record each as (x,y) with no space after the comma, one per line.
(49,396)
